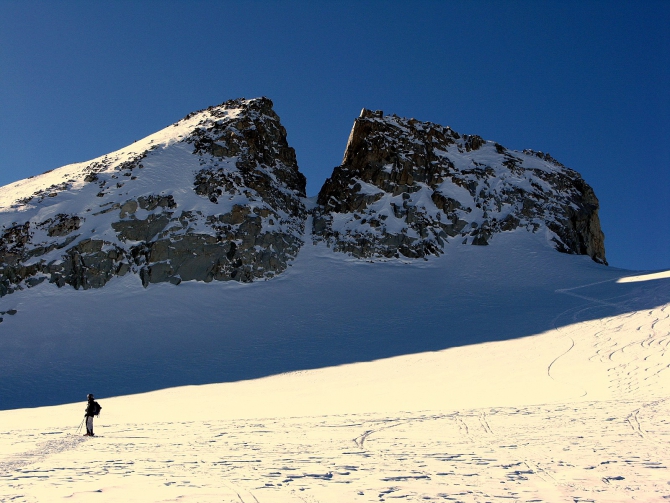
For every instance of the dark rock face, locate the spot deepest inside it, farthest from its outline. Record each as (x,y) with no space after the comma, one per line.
(405,188)
(258,142)
(230,209)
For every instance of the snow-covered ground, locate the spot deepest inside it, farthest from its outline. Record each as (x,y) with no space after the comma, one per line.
(508,372)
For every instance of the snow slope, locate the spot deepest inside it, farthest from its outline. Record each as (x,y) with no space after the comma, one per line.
(576,412)
(326,309)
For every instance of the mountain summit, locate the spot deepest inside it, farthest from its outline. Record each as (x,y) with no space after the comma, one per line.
(219,196)
(407,188)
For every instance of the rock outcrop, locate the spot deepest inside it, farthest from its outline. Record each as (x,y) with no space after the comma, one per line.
(216,196)
(406,188)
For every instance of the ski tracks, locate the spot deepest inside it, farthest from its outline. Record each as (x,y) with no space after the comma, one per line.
(394,423)
(557,452)
(474,427)
(631,346)
(360,440)
(484,422)
(248,495)
(634,421)
(49,448)
(572,345)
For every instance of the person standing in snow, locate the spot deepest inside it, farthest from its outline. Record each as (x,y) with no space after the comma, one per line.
(92,409)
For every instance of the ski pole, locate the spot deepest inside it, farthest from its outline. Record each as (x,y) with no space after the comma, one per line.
(80,425)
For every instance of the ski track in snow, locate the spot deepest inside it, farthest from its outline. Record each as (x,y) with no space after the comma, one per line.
(629,345)
(501,454)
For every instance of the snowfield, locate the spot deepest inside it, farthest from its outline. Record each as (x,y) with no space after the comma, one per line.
(501,373)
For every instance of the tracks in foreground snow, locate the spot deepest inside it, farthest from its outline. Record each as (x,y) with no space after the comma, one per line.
(632,346)
(567,452)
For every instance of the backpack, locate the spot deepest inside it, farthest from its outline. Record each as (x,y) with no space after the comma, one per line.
(97,408)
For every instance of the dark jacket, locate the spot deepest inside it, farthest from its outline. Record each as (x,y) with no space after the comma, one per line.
(91,408)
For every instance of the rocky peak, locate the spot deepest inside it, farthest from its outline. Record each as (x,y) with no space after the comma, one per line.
(216,196)
(407,188)
(255,138)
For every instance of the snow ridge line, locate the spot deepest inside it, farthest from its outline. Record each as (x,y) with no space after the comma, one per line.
(568,291)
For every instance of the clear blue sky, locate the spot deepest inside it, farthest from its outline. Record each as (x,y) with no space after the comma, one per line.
(586,81)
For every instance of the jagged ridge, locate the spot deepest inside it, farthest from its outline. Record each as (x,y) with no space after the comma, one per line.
(218,196)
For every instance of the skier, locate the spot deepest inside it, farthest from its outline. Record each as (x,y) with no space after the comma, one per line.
(92,409)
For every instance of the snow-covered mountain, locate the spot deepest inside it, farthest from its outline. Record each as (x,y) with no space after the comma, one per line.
(218,196)
(385,357)
(407,188)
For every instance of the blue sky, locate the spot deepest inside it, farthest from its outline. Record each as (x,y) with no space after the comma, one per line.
(586,81)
